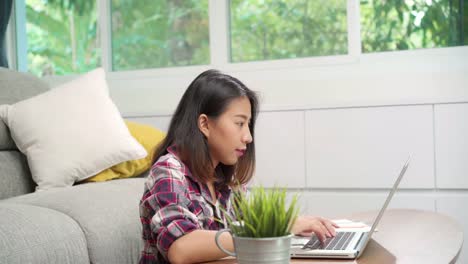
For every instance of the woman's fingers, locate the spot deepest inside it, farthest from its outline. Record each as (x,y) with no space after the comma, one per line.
(330,227)
(322,232)
(321,237)
(322,227)
(327,227)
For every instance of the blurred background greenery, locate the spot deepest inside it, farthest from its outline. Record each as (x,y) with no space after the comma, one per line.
(63,35)
(412,24)
(271,29)
(159,33)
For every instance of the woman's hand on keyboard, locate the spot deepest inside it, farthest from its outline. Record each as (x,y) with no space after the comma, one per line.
(321,227)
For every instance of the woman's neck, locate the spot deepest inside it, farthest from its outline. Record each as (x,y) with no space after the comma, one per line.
(212,189)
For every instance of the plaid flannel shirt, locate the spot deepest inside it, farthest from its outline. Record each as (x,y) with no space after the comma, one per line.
(174,204)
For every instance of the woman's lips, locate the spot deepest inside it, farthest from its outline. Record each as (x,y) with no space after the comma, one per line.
(240,152)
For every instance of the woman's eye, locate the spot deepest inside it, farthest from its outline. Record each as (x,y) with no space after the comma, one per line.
(241,124)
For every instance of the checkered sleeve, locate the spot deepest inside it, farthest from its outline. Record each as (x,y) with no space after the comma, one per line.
(165,209)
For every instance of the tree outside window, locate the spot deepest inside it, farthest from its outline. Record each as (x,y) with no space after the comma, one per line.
(62,36)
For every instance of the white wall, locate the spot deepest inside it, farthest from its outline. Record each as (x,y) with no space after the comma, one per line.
(392,78)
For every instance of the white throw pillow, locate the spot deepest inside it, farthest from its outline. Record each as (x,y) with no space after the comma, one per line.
(71,132)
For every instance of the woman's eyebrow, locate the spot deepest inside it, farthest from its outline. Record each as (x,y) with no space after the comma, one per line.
(242,116)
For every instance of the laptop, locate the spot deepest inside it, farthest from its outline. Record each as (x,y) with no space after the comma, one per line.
(346,244)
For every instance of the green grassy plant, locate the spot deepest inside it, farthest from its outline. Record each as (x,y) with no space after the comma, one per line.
(263,213)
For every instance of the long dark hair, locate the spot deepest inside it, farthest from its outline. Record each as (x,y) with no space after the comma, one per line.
(210,94)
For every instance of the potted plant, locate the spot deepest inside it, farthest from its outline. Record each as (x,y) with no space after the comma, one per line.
(261,226)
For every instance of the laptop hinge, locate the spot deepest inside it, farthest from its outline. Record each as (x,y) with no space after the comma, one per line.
(359,241)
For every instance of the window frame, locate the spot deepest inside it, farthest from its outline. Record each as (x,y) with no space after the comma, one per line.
(219,18)
(219,44)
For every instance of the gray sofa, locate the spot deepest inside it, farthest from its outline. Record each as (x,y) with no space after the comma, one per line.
(85,223)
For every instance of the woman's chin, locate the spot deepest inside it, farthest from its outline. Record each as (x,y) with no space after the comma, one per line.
(230,162)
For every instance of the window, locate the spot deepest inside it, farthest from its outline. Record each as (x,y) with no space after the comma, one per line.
(159,33)
(413,24)
(272,29)
(62,36)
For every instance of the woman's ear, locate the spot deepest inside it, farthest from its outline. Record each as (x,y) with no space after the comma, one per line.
(203,125)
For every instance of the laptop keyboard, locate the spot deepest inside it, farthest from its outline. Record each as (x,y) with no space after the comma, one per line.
(339,242)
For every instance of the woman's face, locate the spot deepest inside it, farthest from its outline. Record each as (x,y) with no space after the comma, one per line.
(229,134)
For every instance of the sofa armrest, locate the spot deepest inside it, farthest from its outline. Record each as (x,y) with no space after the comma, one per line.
(31,234)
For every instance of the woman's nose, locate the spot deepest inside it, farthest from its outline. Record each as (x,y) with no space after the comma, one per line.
(247,137)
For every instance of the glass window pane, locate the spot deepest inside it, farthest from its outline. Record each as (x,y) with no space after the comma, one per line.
(62,36)
(159,33)
(273,29)
(413,24)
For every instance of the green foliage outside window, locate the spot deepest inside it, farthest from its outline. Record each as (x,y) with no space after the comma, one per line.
(413,24)
(159,33)
(272,29)
(62,36)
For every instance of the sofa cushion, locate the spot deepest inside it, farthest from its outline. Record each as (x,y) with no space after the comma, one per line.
(149,137)
(106,211)
(15,178)
(71,132)
(31,234)
(16,86)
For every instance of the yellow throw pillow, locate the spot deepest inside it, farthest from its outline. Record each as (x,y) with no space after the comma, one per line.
(149,137)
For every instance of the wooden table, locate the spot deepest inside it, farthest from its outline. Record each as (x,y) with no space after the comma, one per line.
(404,236)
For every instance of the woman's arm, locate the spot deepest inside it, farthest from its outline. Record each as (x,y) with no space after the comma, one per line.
(199,246)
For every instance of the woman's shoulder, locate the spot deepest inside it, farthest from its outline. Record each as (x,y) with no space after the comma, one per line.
(167,175)
(169,160)
(169,166)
